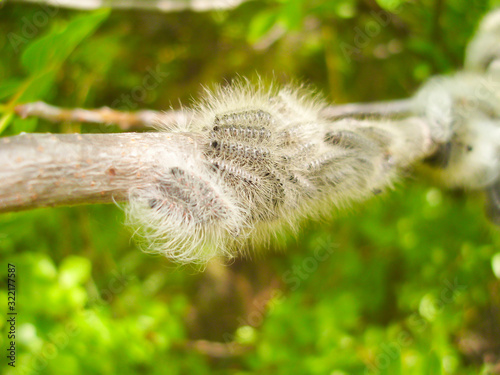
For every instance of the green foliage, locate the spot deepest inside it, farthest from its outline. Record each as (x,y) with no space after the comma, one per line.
(43,58)
(400,285)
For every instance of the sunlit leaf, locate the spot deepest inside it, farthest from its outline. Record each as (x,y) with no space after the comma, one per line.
(52,49)
(9,87)
(261,24)
(5,121)
(27,125)
(74,270)
(291,14)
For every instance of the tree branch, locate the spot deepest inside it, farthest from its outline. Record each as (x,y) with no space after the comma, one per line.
(391,109)
(151,5)
(104,115)
(150,118)
(39,170)
(257,161)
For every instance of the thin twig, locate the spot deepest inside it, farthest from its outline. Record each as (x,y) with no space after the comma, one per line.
(391,109)
(149,118)
(104,115)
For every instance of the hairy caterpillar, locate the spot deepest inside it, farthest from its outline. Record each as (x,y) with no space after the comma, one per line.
(267,160)
(483,51)
(464,113)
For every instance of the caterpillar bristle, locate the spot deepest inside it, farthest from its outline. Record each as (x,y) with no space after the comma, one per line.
(267,161)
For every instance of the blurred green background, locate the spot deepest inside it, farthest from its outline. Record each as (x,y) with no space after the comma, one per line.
(402,284)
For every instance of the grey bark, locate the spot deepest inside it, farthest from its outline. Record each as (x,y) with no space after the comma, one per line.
(39,170)
(150,118)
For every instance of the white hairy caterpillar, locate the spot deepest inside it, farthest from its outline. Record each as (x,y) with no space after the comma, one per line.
(267,161)
(483,51)
(464,113)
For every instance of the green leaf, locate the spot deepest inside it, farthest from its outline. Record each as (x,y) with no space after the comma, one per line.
(291,14)
(261,24)
(494,4)
(9,87)
(52,50)
(5,121)
(38,87)
(43,57)
(41,53)
(390,4)
(27,125)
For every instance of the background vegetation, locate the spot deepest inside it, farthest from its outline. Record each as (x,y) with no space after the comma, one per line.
(404,284)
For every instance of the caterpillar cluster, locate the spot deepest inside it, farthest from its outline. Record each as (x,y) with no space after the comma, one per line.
(483,51)
(464,114)
(267,160)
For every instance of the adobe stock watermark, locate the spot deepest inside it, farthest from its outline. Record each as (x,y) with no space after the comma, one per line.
(299,273)
(418,321)
(139,94)
(260,307)
(60,340)
(371,29)
(293,279)
(30,27)
(124,111)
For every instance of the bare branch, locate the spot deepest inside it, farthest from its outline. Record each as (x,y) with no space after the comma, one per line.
(39,170)
(105,115)
(151,5)
(200,194)
(150,118)
(256,161)
(392,109)
(64,169)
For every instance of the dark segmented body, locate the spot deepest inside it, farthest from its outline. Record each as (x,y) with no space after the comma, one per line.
(294,135)
(191,197)
(235,171)
(380,137)
(235,148)
(324,159)
(333,169)
(244,150)
(257,116)
(349,140)
(241,132)
(299,152)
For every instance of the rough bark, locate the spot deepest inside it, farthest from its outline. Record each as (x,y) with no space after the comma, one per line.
(39,170)
(149,118)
